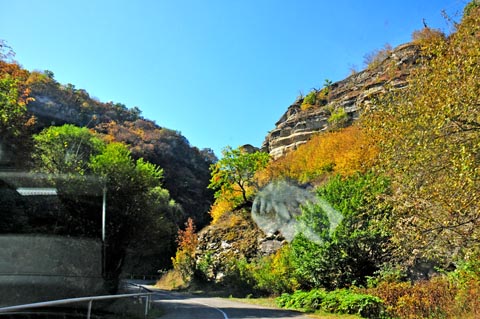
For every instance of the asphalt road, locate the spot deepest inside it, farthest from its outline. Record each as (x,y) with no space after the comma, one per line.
(180,306)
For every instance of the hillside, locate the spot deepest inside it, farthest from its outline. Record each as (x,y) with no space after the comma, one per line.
(154,179)
(186,168)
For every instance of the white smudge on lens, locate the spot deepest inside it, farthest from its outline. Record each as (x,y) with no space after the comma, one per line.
(278,205)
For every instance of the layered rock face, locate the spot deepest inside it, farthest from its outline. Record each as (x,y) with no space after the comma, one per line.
(297,126)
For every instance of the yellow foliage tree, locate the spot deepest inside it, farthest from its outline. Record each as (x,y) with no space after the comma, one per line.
(220,207)
(429,135)
(344,152)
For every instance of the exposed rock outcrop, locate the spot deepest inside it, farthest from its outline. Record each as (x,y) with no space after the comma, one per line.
(234,237)
(297,126)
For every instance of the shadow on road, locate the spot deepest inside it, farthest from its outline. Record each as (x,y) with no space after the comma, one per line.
(178,305)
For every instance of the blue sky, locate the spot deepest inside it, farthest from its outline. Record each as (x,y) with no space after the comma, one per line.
(220,72)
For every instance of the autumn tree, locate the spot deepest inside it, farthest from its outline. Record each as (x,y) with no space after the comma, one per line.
(234,173)
(343,152)
(12,105)
(375,58)
(429,134)
(427,35)
(184,261)
(15,123)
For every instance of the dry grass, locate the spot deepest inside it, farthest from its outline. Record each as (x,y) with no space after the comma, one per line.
(172,280)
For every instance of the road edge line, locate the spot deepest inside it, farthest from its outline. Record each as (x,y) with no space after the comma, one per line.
(225,316)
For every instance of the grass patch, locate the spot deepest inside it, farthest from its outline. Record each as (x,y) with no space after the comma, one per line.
(270,302)
(265,301)
(172,280)
(326,315)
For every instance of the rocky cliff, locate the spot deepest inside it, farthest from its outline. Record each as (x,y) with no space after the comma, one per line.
(299,123)
(236,236)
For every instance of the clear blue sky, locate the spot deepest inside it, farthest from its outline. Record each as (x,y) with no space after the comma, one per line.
(221,72)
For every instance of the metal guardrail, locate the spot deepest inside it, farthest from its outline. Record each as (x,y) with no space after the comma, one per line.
(138,286)
(143,277)
(90,301)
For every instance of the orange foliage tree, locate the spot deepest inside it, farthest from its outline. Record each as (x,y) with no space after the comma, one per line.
(15,122)
(14,96)
(184,261)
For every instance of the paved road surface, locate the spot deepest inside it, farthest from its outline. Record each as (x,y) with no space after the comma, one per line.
(179,306)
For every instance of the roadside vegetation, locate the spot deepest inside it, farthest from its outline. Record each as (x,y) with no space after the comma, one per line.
(406,180)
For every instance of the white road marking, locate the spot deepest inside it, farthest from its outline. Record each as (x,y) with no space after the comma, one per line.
(218,309)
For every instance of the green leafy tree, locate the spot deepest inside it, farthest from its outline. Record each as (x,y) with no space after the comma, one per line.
(122,172)
(131,187)
(65,149)
(234,173)
(140,214)
(357,247)
(63,153)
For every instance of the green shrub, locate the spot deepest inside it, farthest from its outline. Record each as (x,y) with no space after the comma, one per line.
(338,118)
(317,97)
(338,301)
(310,99)
(308,301)
(239,277)
(357,247)
(274,273)
(466,279)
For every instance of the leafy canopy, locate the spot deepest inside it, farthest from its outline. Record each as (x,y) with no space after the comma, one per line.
(234,173)
(65,149)
(360,243)
(14,97)
(140,214)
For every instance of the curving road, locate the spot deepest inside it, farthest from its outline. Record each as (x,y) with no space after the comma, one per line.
(179,306)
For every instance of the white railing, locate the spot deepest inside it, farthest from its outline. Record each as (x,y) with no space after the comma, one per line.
(88,300)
